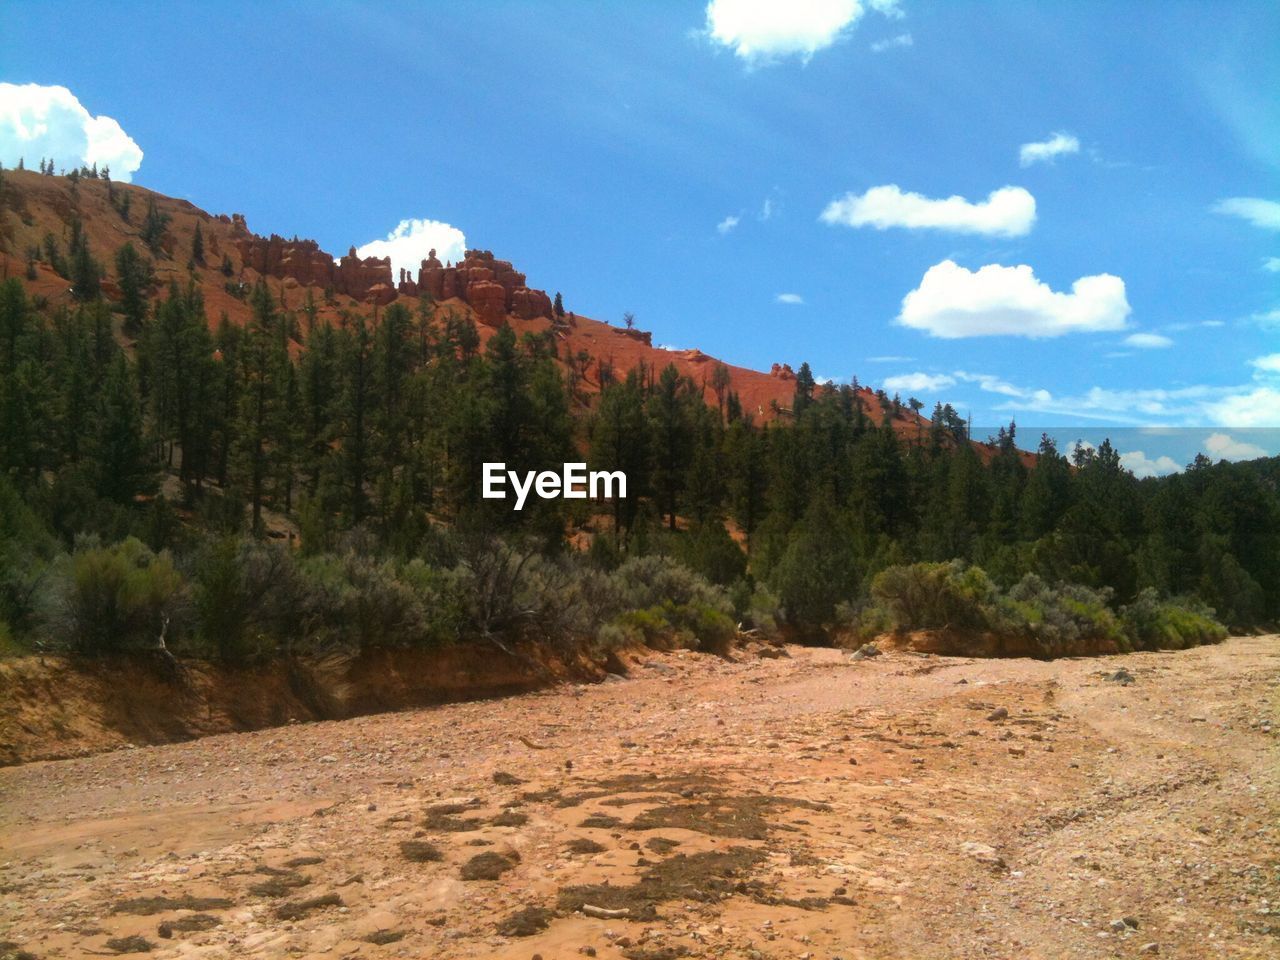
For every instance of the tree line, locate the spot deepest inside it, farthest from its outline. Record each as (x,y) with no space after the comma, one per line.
(140,421)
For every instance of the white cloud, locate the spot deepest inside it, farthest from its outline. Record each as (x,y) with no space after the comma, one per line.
(1259,212)
(1225,447)
(1270,363)
(765,31)
(727,224)
(1046,151)
(410,242)
(1254,408)
(49,122)
(1192,325)
(791,298)
(890,8)
(893,43)
(953,302)
(1225,406)
(1148,341)
(919,382)
(1144,466)
(889,359)
(1271,264)
(1268,319)
(1007,212)
(990,384)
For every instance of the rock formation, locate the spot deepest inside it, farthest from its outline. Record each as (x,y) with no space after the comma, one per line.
(492,287)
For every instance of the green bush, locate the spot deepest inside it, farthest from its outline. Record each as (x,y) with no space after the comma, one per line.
(354,600)
(936,596)
(1055,618)
(863,621)
(649,581)
(8,646)
(440,593)
(114,599)
(1176,623)
(249,598)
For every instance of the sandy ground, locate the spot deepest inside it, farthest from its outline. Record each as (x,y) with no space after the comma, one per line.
(809,807)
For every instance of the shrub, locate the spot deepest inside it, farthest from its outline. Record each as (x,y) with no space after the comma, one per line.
(649,581)
(441,595)
(936,596)
(817,569)
(863,621)
(113,599)
(1055,618)
(8,646)
(1176,623)
(249,598)
(712,553)
(357,600)
(763,611)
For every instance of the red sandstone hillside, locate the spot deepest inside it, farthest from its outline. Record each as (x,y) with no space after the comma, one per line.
(489,289)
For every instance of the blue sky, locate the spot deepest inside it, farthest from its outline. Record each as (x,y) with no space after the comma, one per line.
(693,163)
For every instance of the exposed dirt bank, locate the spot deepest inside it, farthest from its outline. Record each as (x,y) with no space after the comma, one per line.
(903,806)
(54,707)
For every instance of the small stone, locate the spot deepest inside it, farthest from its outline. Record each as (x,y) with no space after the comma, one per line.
(999,713)
(1149,948)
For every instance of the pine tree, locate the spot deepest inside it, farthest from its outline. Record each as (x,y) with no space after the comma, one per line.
(804,391)
(262,358)
(86,275)
(133,276)
(120,454)
(619,441)
(153,228)
(668,411)
(197,245)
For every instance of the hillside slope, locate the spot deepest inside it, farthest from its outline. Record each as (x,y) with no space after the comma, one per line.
(35,207)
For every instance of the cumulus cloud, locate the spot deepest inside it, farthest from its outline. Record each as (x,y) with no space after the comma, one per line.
(791,298)
(727,224)
(1225,447)
(1271,264)
(1252,408)
(1148,341)
(919,382)
(410,242)
(1046,151)
(1007,212)
(1143,466)
(893,43)
(49,122)
(953,302)
(1259,212)
(765,31)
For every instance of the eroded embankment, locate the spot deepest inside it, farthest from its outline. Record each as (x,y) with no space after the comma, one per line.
(54,707)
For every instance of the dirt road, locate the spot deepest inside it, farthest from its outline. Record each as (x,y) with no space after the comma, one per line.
(810,807)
